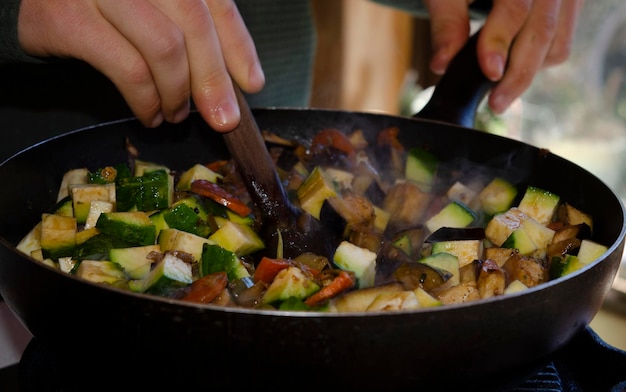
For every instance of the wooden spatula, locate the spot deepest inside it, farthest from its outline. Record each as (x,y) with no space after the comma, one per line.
(286,228)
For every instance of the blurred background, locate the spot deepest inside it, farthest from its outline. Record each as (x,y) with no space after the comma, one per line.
(576,110)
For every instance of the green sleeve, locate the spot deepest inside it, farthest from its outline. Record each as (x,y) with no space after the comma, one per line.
(10,50)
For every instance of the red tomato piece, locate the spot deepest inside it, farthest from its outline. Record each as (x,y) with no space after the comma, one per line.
(215,192)
(207,288)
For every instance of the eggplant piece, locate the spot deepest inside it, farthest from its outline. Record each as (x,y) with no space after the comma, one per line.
(414,274)
(491,280)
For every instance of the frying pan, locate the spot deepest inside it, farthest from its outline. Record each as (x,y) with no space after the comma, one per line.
(105,335)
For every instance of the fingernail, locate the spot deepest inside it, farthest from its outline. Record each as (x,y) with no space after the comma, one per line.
(495,67)
(440,61)
(157,120)
(226,115)
(257,77)
(499,103)
(182,113)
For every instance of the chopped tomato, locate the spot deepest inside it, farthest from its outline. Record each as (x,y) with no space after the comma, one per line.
(331,137)
(216,165)
(389,137)
(268,268)
(215,192)
(207,288)
(342,282)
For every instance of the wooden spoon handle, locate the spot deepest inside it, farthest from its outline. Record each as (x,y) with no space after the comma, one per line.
(248,149)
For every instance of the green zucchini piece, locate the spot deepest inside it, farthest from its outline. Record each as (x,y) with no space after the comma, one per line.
(237,238)
(359,260)
(522,241)
(101,271)
(465,250)
(421,168)
(454,214)
(169,274)
(133,226)
(315,190)
(216,259)
(497,196)
(134,260)
(97,246)
(58,236)
(63,207)
(446,262)
(185,218)
(539,204)
(152,191)
(590,251)
(196,172)
(83,194)
(290,282)
(174,239)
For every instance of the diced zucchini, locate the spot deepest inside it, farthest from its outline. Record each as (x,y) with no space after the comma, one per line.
(58,236)
(402,300)
(381,220)
(341,178)
(100,271)
(575,217)
(461,193)
(497,196)
(169,273)
(421,167)
(590,251)
(539,204)
(196,172)
(315,189)
(500,227)
(67,264)
(216,259)
(521,241)
(84,194)
(143,167)
(183,217)
(237,238)
(444,261)
(514,287)
(540,234)
(290,282)
(152,191)
(454,214)
(63,207)
(84,235)
(31,241)
(72,177)
(361,261)
(134,261)
(174,239)
(425,299)
(465,250)
(133,226)
(561,266)
(96,208)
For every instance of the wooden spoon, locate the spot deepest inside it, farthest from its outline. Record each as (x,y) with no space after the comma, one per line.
(285,227)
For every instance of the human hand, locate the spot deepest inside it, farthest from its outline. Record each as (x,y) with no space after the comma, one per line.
(517,39)
(158,53)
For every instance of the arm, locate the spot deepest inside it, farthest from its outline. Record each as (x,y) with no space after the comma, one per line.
(158,53)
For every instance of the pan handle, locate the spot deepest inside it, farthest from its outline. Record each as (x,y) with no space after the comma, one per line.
(460,90)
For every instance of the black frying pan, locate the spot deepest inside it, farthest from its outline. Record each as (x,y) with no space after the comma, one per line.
(113,333)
